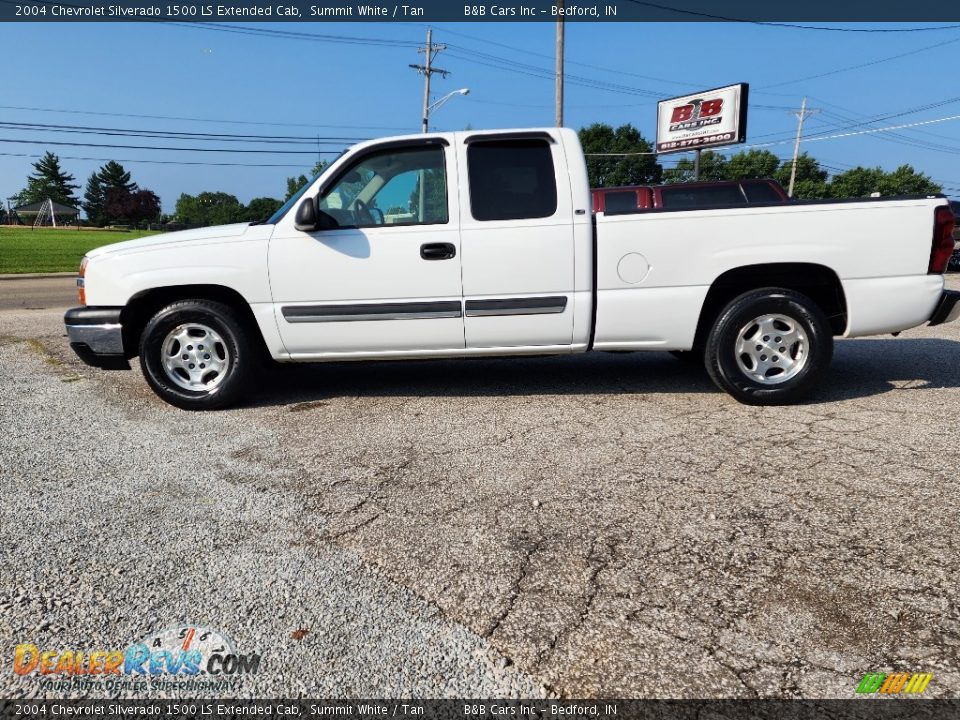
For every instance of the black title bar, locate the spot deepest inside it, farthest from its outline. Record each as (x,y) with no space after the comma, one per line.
(747,11)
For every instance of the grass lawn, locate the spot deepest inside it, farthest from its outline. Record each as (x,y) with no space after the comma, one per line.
(25,250)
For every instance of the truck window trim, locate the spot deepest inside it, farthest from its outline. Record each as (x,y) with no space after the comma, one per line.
(522,135)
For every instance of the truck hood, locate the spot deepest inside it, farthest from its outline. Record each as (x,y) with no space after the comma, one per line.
(216,232)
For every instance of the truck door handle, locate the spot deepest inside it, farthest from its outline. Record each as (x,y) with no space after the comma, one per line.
(438,251)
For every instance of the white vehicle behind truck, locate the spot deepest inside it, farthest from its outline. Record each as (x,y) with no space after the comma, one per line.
(474,243)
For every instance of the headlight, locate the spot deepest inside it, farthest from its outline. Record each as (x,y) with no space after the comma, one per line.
(81,290)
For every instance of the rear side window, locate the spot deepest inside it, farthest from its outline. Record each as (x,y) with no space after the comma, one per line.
(621,201)
(701,197)
(511,179)
(760,193)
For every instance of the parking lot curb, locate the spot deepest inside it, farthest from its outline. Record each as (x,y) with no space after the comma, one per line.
(36,276)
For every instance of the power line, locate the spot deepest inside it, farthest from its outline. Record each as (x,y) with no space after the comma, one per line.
(868,131)
(878,61)
(175,149)
(291,34)
(218,121)
(864,120)
(500,63)
(157,162)
(177,135)
(615,71)
(852,116)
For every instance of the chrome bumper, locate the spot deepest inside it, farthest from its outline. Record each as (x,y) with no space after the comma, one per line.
(948,309)
(96,336)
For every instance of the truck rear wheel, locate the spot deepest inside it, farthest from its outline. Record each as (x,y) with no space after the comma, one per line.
(195,354)
(769,347)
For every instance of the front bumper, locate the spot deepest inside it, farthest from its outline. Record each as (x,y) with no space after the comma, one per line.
(948,309)
(96,336)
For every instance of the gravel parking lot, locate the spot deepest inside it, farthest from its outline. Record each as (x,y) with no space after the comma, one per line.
(604,525)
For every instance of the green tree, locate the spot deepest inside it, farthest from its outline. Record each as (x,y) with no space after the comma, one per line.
(93,200)
(295,183)
(114,177)
(209,208)
(262,208)
(49,181)
(434,200)
(862,182)
(751,164)
(713,166)
(811,179)
(131,207)
(635,169)
(113,181)
(907,181)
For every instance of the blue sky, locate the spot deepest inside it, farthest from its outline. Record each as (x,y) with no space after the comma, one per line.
(308,88)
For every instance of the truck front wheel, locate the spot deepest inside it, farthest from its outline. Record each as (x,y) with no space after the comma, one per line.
(195,354)
(769,347)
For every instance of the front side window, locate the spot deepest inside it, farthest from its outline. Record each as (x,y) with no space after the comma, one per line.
(394,187)
(511,179)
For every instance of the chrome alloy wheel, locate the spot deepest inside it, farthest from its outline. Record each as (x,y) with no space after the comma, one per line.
(195,357)
(771,349)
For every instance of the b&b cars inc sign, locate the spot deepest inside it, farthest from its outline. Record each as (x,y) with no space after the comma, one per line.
(702,120)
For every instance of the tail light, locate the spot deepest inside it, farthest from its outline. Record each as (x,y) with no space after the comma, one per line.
(943,222)
(81,290)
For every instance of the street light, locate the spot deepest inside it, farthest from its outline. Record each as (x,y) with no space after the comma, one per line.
(436,106)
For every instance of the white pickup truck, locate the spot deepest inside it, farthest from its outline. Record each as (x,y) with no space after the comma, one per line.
(474,243)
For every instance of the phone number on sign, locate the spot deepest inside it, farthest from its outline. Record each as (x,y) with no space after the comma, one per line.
(693,142)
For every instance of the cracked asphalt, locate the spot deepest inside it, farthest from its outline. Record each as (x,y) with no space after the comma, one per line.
(609,525)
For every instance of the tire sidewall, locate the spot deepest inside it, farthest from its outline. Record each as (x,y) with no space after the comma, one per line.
(721,356)
(219,318)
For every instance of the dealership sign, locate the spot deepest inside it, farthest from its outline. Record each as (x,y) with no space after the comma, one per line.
(702,120)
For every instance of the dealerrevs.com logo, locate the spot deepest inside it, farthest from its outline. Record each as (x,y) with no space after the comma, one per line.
(181,657)
(894,683)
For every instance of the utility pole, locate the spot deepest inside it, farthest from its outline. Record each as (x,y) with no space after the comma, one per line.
(559,70)
(696,165)
(801,116)
(427,69)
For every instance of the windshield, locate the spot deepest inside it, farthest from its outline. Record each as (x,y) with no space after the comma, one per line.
(275,218)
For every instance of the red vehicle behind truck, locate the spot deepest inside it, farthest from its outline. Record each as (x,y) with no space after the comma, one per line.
(687,196)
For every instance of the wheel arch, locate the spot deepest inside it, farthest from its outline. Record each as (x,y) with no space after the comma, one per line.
(144,304)
(818,282)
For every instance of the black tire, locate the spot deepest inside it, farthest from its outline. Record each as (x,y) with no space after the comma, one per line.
(234,351)
(731,372)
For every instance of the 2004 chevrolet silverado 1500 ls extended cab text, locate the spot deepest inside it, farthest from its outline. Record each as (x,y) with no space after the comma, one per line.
(482,243)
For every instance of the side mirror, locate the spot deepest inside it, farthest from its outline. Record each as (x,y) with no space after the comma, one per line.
(306,217)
